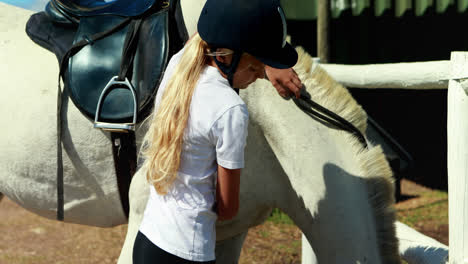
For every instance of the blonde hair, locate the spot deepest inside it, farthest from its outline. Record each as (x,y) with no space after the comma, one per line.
(162,144)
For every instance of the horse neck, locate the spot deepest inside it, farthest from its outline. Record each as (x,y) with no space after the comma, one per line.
(328,178)
(191,10)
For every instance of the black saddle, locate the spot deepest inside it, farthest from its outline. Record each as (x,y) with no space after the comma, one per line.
(112,55)
(88,8)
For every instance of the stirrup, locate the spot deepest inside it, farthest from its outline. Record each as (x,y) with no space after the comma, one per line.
(116,127)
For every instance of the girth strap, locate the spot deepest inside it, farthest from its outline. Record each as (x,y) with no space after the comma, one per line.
(124,152)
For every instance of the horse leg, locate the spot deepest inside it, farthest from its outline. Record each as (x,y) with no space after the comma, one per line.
(417,248)
(138,196)
(308,255)
(228,251)
(1,196)
(414,247)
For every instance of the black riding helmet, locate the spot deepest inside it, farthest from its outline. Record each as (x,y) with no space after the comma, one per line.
(257,27)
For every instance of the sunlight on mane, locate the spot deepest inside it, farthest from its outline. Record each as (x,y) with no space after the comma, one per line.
(381,192)
(330,94)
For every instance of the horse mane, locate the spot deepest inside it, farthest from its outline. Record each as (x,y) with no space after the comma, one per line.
(373,164)
(329,93)
(380,185)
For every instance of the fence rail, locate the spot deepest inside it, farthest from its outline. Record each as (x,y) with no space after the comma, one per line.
(412,75)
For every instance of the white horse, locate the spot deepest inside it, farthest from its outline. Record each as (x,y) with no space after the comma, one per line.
(331,187)
(321,177)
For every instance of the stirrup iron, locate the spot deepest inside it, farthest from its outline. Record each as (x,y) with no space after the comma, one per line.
(116,127)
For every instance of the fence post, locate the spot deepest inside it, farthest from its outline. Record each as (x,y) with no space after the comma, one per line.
(323,24)
(457,159)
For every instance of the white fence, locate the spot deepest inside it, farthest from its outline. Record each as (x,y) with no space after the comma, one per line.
(453,75)
(457,150)
(411,75)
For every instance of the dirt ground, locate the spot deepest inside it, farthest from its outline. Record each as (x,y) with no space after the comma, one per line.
(425,210)
(29,239)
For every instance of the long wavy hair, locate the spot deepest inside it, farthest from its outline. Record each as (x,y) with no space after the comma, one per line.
(162,143)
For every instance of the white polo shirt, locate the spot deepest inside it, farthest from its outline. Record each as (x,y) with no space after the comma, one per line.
(183,221)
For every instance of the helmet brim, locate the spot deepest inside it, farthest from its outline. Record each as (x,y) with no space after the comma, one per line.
(283,58)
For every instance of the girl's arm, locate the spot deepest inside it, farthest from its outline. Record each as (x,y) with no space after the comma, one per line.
(227,193)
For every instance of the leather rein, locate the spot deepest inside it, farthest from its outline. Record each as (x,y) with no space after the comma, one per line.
(327,117)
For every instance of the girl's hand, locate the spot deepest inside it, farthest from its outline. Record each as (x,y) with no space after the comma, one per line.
(285,81)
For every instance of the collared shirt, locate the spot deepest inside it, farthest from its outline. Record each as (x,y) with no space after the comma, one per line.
(183,221)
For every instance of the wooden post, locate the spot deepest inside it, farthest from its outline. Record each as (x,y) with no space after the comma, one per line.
(323,19)
(457,150)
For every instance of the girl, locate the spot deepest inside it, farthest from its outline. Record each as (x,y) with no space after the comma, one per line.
(194,148)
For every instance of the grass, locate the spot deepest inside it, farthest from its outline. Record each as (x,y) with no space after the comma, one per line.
(435,211)
(278,217)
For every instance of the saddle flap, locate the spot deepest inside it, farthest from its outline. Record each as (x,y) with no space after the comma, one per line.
(93,66)
(87,72)
(89,8)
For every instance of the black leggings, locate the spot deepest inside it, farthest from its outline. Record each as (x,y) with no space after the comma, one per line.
(145,252)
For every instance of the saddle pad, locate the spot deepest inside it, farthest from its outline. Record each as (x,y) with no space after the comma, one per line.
(50,35)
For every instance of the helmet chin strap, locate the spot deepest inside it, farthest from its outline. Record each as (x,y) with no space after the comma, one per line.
(229,70)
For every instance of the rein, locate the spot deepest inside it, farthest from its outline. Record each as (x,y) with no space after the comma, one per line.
(326,116)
